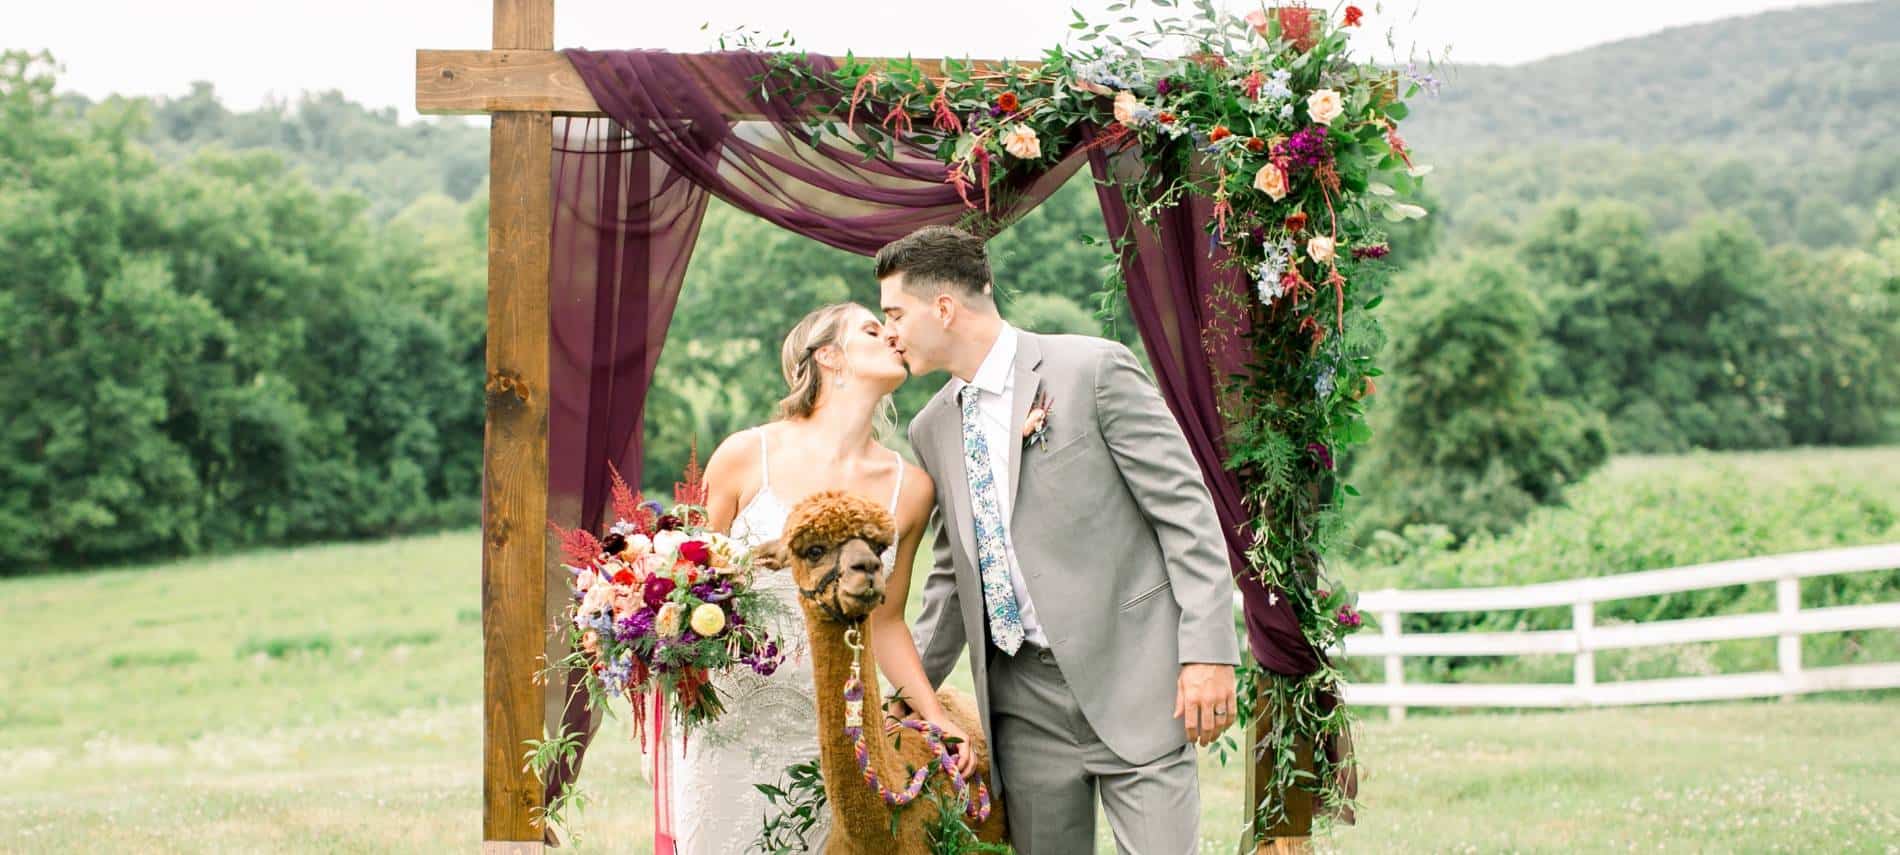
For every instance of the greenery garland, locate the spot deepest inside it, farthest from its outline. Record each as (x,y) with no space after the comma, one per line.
(1295,149)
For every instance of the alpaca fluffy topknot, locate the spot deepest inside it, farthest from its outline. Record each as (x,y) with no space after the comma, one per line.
(835,516)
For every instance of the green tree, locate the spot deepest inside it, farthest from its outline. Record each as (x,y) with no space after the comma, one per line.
(1463,439)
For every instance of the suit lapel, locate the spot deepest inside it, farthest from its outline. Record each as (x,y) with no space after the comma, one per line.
(1027,384)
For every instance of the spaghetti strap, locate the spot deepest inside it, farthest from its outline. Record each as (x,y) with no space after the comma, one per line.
(897,490)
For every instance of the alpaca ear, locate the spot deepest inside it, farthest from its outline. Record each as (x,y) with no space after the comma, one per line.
(771,555)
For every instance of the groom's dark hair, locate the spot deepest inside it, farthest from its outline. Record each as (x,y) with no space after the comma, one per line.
(938,257)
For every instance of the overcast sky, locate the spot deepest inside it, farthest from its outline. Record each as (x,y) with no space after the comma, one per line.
(253,49)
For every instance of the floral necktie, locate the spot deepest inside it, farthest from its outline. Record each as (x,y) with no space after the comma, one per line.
(999,597)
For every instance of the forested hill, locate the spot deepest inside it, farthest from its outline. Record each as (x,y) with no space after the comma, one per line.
(1780,80)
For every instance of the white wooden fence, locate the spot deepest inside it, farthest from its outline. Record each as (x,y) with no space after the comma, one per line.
(1787,623)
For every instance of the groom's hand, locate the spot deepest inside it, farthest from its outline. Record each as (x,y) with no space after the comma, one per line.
(1204,700)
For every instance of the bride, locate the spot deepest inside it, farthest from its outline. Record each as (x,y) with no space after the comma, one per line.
(841,374)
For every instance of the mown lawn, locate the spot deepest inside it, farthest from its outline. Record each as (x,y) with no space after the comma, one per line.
(327,699)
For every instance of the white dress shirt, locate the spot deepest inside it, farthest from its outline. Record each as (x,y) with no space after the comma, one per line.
(995,382)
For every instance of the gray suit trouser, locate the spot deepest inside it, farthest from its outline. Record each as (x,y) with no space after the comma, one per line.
(1052,765)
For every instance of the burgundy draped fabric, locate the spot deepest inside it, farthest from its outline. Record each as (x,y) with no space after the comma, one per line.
(631,189)
(1175,295)
(1191,316)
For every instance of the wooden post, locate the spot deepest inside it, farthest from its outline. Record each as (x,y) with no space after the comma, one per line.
(1294,832)
(1582,620)
(515,451)
(1390,626)
(1788,642)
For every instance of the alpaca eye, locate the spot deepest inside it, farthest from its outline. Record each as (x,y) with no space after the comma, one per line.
(814,552)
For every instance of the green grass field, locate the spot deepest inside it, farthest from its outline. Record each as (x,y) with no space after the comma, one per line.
(328,699)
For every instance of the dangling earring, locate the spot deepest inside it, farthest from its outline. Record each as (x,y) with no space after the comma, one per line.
(838,381)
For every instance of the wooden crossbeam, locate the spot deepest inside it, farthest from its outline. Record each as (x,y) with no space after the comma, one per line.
(470,82)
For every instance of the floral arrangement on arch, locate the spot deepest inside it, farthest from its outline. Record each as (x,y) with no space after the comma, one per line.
(1295,147)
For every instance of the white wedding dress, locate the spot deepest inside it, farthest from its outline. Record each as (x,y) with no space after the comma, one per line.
(770,722)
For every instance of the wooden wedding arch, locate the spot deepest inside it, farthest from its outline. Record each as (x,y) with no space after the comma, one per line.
(522,84)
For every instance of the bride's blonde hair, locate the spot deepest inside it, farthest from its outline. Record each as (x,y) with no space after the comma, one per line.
(797,358)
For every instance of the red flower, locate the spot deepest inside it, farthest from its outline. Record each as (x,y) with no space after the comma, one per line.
(697,552)
(624,577)
(1297,222)
(1256,144)
(1165,118)
(1007,101)
(657,587)
(1353,14)
(1219,133)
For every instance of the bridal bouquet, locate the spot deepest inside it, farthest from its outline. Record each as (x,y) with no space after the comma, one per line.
(661,604)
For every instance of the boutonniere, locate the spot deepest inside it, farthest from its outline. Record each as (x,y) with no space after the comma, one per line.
(1036,426)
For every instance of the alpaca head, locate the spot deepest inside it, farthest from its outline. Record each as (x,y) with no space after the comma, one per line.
(833,543)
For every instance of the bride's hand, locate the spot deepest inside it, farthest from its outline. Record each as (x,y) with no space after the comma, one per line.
(963,752)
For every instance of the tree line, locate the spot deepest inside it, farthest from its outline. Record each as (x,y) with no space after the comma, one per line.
(210,345)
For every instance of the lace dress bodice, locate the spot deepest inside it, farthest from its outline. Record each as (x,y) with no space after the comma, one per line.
(769,722)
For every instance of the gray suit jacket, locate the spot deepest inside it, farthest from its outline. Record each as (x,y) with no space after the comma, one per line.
(1115,533)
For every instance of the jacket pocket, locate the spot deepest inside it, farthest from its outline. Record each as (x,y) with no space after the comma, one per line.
(1147,595)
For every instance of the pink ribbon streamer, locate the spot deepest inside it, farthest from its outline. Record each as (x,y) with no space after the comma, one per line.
(655,745)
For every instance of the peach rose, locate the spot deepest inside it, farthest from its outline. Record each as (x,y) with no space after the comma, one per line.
(1324,106)
(668,622)
(1320,248)
(1125,106)
(1271,180)
(1021,141)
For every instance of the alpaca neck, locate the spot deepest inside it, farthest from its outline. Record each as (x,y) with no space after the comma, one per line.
(852,800)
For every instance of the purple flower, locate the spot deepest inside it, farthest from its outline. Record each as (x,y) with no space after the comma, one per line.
(1347,617)
(1321,453)
(1377,250)
(712,592)
(765,661)
(634,626)
(1163,86)
(1306,150)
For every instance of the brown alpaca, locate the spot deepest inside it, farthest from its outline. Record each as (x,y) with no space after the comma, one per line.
(831,545)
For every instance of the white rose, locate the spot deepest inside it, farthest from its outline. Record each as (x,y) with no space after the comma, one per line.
(584,581)
(1125,106)
(1271,181)
(668,542)
(639,544)
(597,598)
(1324,106)
(1021,141)
(1320,248)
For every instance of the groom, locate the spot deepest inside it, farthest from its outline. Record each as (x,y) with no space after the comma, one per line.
(1079,558)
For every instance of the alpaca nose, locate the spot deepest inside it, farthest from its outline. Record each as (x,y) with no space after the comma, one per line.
(861,570)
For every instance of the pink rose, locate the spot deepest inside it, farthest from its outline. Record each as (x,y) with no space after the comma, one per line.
(1257,19)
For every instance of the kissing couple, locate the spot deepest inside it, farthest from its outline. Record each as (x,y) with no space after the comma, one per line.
(1076,558)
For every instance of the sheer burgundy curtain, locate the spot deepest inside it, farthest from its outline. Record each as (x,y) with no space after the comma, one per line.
(1192,317)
